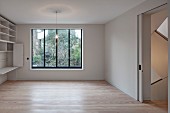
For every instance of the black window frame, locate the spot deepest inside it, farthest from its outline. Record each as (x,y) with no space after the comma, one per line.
(57,67)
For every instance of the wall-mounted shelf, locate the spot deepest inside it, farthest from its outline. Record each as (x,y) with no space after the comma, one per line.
(6,41)
(11,30)
(7,31)
(7,69)
(5,51)
(5,34)
(2,26)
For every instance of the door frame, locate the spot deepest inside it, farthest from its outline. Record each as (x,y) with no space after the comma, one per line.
(144,56)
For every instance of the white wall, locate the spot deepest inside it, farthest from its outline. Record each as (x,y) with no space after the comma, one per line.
(121,48)
(93,37)
(159,55)
(168,57)
(159,61)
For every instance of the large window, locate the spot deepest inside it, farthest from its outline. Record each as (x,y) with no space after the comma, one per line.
(47,52)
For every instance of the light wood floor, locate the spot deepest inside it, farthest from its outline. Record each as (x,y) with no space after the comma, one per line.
(70,97)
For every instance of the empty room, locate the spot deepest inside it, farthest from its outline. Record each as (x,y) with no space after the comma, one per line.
(84,56)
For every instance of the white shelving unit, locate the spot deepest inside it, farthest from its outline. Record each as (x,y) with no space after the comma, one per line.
(7,69)
(7,41)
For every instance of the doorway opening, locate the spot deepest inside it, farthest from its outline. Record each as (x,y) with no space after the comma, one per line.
(159,55)
(153,55)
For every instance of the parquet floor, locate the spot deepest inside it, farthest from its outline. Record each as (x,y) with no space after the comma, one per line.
(70,97)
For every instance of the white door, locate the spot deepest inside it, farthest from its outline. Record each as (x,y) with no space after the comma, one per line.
(140,69)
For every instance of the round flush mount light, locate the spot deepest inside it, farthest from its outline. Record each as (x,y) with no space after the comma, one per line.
(57,11)
(62,10)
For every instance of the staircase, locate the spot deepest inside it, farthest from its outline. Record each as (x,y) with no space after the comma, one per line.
(159,61)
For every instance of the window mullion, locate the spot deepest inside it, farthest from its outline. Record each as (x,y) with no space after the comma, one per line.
(81,47)
(69,48)
(56,50)
(44,47)
(32,46)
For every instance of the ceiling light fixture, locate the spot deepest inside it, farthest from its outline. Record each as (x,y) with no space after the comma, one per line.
(56,37)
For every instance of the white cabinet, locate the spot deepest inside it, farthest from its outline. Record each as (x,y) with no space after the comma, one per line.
(18,55)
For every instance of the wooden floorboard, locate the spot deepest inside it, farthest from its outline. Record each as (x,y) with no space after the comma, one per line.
(70,97)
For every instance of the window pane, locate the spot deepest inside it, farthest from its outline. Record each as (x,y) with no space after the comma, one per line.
(75,48)
(50,48)
(63,48)
(67,53)
(38,48)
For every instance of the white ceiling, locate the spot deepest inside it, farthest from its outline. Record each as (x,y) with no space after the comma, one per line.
(72,11)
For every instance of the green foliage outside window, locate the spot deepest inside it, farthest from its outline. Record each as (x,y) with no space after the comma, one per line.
(67,53)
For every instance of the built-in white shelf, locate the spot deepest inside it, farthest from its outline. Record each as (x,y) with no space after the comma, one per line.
(2,33)
(2,19)
(2,26)
(3,60)
(11,36)
(9,51)
(11,24)
(6,41)
(6,51)
(5,20)
(7,69)
(11,30)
